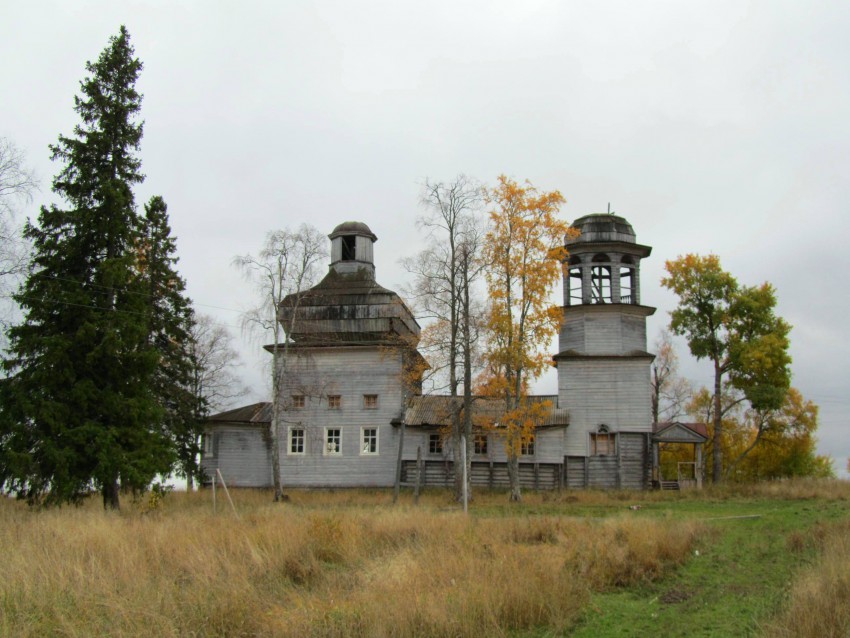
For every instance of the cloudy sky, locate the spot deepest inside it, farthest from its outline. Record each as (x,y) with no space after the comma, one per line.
(715,126)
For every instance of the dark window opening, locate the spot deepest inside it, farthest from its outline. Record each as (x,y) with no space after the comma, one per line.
(479,444)
(627,284)
(600,284)
(348,251)
(435,444)
(574,284)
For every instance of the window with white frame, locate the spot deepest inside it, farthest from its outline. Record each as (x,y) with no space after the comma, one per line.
(370,401)
(479,444)
(603,442)
(368,441)
(435,444)
(333,441)
(209,444)
(297,441)
(526,448)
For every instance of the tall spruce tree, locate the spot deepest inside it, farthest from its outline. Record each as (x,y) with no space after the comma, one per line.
(78,408)
(170,322)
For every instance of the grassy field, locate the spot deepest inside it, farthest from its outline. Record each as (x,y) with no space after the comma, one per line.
(770,560)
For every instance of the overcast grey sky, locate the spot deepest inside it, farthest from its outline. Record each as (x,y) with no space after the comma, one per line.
(715,126)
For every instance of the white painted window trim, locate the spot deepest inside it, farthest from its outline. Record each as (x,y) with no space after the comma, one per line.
(326,451)
(441,445)
(209,444)
(363,450)
(303,431)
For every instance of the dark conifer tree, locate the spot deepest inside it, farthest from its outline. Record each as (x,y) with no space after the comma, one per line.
(78,408)
(170,333)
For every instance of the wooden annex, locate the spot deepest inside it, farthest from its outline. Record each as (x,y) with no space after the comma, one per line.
(354,416)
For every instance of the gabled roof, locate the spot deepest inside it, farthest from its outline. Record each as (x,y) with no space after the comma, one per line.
(433,410)
(678,432)
(254,413)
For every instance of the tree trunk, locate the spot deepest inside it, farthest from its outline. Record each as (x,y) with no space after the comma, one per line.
(717,443)
(275,425)
(111,495)
(513,475)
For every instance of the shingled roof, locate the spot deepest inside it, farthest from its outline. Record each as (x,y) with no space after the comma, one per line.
(255,413)
(437,411)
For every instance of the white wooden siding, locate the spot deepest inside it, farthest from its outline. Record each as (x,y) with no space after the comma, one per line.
(243,454)
(349,372)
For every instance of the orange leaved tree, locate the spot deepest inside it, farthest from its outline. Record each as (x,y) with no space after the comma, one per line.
(524,250)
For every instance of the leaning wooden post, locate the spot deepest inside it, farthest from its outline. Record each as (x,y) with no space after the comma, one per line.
(227,492)
(418,475)
(397,487)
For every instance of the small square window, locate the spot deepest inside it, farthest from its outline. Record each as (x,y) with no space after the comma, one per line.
(435,444)
(370,401)
(526,448)
(298,402)
(296,440)
(603,443)
(333,442)
(369,441)
(334,402)
(479,444)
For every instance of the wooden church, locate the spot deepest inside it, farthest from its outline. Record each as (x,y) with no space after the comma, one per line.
(353,417)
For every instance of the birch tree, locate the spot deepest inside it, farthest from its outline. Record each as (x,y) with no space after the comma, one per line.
(445,276)
(524,250)
(288,264)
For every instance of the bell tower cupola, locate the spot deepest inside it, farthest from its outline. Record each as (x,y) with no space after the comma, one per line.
(351,248)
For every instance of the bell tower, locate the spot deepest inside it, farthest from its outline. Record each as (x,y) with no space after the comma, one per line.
(603,365)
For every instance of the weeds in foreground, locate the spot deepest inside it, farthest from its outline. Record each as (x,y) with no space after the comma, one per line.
(818,600)
(295,570)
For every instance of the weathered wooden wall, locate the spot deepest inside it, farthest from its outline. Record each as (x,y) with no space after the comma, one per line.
(548,446)
(349,372)
(613,392)
(492,475)
(242,453)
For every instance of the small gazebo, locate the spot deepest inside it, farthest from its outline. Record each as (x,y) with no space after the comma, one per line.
(689,474)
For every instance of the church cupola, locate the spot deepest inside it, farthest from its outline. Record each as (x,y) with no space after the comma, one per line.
(351,248)
(602,310)
(348,307)
(604,262)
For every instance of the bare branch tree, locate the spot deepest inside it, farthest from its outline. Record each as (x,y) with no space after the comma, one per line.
(670,392)
(214,381)
(444,292)
(17,184)
(287,265)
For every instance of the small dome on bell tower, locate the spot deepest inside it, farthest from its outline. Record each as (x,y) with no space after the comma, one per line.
(351,248)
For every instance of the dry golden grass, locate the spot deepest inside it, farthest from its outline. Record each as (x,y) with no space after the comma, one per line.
(324,564)
(819,600)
